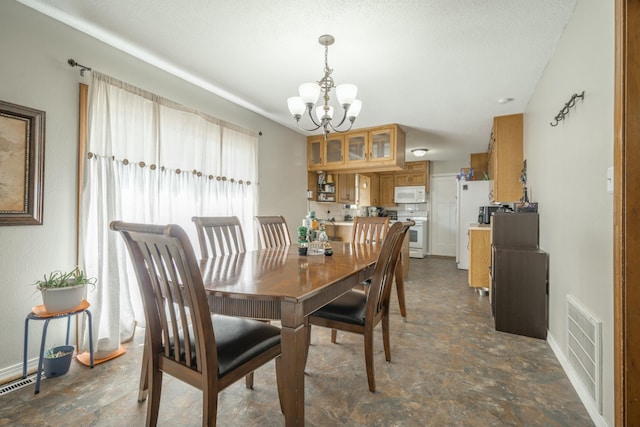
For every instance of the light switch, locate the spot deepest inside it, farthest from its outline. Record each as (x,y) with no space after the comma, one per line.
(610,180)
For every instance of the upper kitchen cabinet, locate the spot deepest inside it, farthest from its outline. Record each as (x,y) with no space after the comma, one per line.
(416,173)
(372,149)
(323,154)
(347,188)
(506,158)
(387,189)
(357,148)
(368,189)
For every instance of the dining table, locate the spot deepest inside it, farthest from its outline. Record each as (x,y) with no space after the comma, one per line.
(279,284)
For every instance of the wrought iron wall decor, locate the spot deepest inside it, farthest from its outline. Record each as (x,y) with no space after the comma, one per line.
(83,68)
(565,110)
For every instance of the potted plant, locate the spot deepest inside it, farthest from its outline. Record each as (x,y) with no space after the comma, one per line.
(57,360)
(63,291)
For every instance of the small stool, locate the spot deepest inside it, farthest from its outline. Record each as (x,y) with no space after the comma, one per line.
(40,313)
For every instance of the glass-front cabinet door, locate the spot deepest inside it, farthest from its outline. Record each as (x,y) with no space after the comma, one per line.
(334,146)
(315,151)
(357,148)
(382,145)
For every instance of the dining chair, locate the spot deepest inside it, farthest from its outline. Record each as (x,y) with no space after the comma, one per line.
(373,229)
(366,229)
(360,312)
(219,235)
(183,339)
(273,231)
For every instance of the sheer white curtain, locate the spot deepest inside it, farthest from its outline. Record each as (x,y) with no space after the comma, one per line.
(151,160)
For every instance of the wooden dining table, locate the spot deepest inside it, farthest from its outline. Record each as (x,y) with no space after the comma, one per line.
(279,284)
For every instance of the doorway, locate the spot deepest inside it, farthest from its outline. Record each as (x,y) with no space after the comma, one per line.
(443,215)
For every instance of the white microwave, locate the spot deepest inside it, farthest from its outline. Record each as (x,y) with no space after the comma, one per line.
(411,194)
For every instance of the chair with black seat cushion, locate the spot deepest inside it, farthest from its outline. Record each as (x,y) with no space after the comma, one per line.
(273,231)
(183,339)
(220,235)
(373,229)
(360,312)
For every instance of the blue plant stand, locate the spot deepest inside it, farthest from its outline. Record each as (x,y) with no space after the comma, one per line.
(39,313)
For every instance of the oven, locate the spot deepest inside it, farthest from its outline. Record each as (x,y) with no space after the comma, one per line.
(417,235)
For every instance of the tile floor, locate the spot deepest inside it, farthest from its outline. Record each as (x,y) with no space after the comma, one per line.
(449,368)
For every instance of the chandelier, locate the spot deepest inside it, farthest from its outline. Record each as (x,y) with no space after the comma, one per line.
(310,92)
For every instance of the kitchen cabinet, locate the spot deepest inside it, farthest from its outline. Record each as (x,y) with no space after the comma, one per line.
(479,256)
(323,154)
(357,148)
(347,188)
(415,173)
(375,149)
(479,163)
(506,158)
(368,189)
(387,188)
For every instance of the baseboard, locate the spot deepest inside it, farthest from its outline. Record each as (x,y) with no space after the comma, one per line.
(12,373)
(595,415)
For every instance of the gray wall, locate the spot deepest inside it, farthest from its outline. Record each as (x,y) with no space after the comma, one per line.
(567,167)
(34,73)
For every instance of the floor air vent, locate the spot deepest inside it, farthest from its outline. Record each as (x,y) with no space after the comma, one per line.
(15,385)
(584,348)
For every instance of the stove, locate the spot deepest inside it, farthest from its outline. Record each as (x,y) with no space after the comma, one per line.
(417,235)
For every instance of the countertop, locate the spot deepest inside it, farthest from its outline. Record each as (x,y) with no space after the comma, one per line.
(344,223)
(479,226)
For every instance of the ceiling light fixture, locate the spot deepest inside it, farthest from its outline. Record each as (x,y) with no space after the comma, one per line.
(419,152)
(309,93)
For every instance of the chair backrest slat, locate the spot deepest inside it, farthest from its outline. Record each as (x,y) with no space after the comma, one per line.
(369,229)
(273,231)
(219,235)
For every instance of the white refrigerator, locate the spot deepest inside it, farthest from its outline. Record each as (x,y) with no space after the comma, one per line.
(471,195)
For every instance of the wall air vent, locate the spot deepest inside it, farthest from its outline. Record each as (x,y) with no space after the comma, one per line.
(584,348)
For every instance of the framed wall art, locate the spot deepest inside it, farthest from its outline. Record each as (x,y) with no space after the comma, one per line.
(22,132)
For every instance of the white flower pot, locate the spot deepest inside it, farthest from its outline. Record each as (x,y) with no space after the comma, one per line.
(56,300)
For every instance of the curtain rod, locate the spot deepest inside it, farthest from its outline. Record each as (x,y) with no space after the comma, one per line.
(83,68)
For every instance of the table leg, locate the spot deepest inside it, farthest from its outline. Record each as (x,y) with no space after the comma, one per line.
(293,345)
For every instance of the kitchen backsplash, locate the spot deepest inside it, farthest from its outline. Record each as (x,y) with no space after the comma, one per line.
(338,211)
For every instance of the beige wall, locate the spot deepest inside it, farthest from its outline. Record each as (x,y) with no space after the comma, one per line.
(34,73)
(567,167)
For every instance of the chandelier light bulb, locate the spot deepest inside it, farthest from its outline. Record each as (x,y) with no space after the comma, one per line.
(346,93)
(296,106)
(309,92)
(354,109)
(321,114)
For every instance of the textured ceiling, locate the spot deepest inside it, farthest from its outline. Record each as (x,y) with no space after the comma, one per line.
(436,67)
